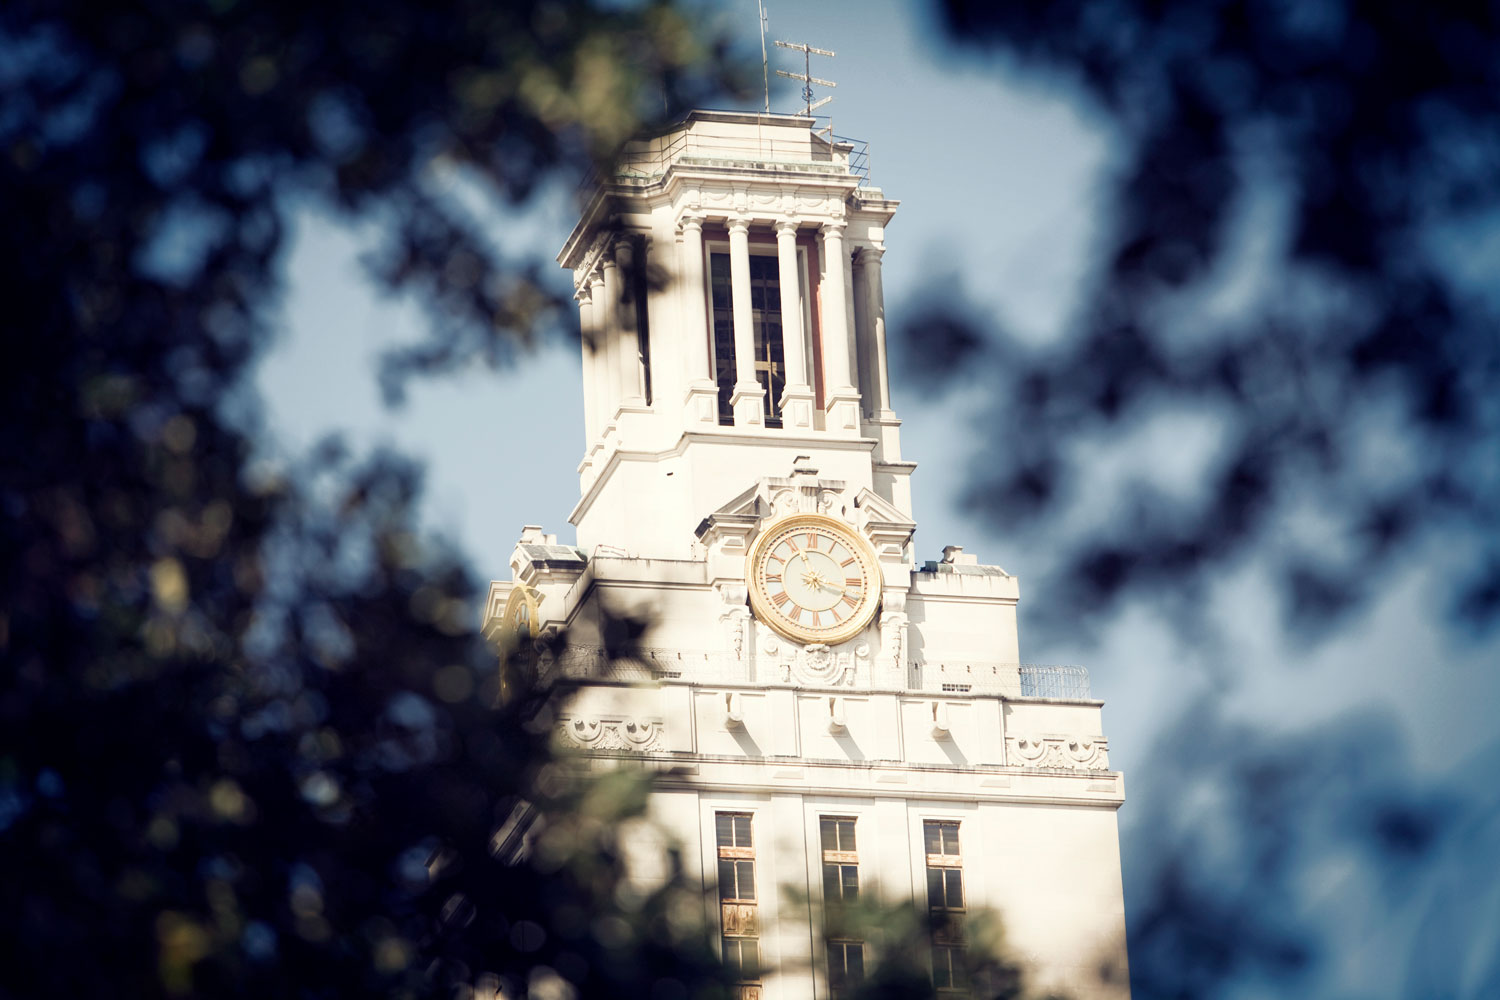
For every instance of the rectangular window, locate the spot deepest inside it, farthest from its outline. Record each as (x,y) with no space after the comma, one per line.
(739,914)
(945,900)
(641,287)
(765,332)
(765,322)
(742,958)
(945,888)
(721,298)
(846,956)
(840,860)
(941,839)
(736,879)
(733,830)
(838,834)
(846,965)
(948,968)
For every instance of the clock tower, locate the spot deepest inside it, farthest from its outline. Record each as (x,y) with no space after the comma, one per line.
(828,714)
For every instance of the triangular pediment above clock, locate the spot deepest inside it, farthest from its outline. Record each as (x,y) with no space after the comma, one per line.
(883,523)
(751,501)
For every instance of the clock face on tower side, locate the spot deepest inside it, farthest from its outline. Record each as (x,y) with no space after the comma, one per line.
(519,624)
(519,621)
(812,579)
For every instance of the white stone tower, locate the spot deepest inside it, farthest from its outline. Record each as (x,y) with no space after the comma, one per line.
(827,715)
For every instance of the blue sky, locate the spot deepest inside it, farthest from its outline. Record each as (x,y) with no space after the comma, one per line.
(1000,178)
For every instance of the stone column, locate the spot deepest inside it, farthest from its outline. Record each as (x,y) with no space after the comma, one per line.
(588,343)
(840,397)
(628,358)
(702,400)
(609,334)
(796,401)
(599,383)
(748,397)
(649,338)
(868,260)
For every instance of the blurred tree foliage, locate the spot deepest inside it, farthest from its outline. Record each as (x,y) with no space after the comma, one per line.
(249,742)
(1300,237)
(1298,256)
(899,961)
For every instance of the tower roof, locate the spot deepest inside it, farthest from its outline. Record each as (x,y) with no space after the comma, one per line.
(713,146)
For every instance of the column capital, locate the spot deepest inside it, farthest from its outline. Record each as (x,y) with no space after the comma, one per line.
(869,253)
(622,241)
(786,226)
(596,280)
(835,229)
(739,225)
(690,220)
(584,293)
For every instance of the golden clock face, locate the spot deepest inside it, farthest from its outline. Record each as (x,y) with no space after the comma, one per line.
(519,622)
(812,579)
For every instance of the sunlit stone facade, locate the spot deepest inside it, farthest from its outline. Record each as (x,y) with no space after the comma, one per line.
(735,380)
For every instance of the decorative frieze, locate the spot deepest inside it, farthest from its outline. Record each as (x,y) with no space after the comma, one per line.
(1061,753)
(594,733)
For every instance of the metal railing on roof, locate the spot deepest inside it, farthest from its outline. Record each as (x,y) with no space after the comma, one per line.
(859,158)
(647,160)
(1054,681)
(859,152)
(646,665)
(1009,680)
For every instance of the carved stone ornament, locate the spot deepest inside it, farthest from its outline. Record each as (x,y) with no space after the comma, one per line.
(784,503)
(893,638)
(592,733)
(734,621)
(735,617)
(816,664)
(819,666)
(767,642)
(1060,753)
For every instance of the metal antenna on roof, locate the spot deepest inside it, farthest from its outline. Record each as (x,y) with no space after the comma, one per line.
(808,79)
(764,62)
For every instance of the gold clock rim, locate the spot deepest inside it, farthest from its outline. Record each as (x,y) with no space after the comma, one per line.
(520,594)
(761,605)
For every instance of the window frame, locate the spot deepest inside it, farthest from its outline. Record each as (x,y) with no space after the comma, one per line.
(843,980)
(948,949)
(811,364)
(739,915)
(841,859)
